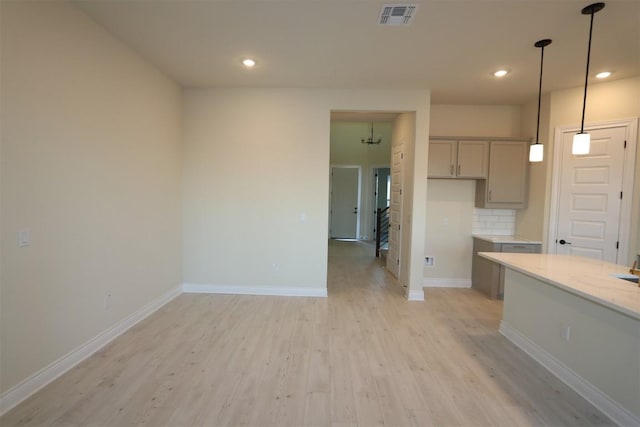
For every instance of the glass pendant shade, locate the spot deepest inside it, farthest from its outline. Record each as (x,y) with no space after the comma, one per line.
(536,152)
(581,143)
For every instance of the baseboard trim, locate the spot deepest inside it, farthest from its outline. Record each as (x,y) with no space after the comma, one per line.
(196,288)
(35,382)
(416,295)
(437,282)
(597,398)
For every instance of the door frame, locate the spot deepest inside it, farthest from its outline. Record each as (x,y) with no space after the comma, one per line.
(624,225)
(400,145)
(359,196)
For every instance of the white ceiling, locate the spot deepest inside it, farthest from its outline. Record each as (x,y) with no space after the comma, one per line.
(452,46)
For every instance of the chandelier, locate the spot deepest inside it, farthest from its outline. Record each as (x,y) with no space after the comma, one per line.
(370,140)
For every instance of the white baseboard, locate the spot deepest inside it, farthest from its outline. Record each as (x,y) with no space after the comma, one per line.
(416,295)
(35,382)
(437,282)
(597,398)
(195,288)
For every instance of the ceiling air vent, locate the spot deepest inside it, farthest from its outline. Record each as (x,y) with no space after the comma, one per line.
(397,14)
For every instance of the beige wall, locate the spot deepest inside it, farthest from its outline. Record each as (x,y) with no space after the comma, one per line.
(452,201)
(619,99)
(475,120)
(256,161)
(450,204)
(530,221)
(91,166)
(346,149)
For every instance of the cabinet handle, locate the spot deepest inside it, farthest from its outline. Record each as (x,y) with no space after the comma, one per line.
(451,170)
(459,169)
(489,195)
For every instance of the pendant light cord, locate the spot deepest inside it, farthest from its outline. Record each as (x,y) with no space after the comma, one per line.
(539,95)
(586,77)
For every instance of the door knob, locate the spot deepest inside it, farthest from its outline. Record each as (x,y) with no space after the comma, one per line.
(563,242)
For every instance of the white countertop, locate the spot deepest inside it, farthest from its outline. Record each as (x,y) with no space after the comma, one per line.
(587,278)
(506,239)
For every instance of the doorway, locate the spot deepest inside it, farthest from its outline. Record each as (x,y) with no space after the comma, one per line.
(591,194)
(345,202)
(381,191)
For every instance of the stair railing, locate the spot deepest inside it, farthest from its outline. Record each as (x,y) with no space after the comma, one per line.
(382,229)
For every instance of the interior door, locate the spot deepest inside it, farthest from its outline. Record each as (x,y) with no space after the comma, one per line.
(344,202)
(395,211)
(589,201)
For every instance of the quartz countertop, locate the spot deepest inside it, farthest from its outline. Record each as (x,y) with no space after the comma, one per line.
(587,278)
(506,239)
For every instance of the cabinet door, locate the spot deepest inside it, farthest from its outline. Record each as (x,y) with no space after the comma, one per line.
(442,159)
(506,185)
(473,159)
(485,274)
(507,172)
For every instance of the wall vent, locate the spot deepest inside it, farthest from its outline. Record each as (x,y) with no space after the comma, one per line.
(397,14)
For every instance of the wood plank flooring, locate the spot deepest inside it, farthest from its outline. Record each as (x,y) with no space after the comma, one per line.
(364,356)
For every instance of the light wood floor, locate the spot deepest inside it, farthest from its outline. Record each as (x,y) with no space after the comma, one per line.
(364,356)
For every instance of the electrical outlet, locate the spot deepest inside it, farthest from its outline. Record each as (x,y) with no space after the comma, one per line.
(107,302)
(275,267)
(429,261)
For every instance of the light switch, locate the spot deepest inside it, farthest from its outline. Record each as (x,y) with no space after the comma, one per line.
(24,238)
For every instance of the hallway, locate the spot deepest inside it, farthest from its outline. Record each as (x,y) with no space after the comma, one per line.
(363,356)
(353,268)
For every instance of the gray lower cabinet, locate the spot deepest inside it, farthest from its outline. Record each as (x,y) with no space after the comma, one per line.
(487,276)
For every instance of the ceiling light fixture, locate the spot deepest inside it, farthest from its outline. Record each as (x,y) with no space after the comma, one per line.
(249,63)
(370,140)
(582,140)
(603,75)
(500,73)
(536,151)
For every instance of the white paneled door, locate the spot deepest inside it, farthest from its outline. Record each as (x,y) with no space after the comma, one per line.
(345,190)
(395,211)
(590,196)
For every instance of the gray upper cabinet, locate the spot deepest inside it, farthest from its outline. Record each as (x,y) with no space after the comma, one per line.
(443,155)
(458,159)
(506,184)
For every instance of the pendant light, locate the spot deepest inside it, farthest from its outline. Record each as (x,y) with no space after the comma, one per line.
(370,140)
(536,151)
(582,140)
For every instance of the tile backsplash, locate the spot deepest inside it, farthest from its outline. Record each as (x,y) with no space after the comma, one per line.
(494,222)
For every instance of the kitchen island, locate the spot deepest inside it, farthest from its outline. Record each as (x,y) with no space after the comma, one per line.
(579,321)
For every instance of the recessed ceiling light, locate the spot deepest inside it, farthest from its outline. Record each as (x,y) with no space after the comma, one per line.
(500,73)
(603,75)
(249,62)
